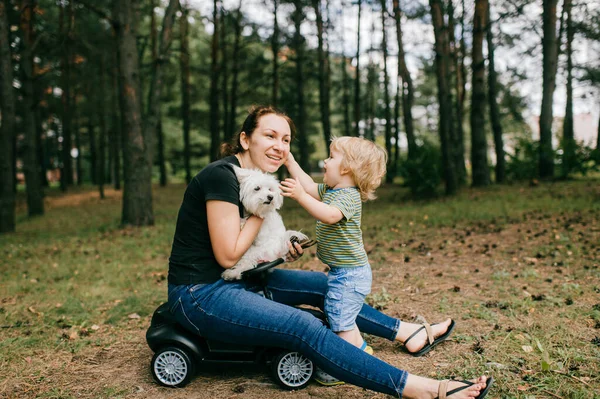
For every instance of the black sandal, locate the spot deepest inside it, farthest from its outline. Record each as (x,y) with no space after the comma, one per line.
(443,392)
(432,342)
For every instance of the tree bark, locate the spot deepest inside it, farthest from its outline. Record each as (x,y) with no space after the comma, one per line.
(345,84)
(406,86)
(454,77)
(500,170)
(94,161)
(215,136)
(102,119)
(66,174)
(224,74)
(568,132)
(479,164)
(116,135)
(184,63)
(153,115)
(389,176)
(275,49)
(298,46)
(137,192)
(442,64)
(35,194)
(235,73)
(323,61)
(549,51)
(357,78)
(7,126)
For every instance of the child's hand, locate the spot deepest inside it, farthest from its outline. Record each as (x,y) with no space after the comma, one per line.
(289,160)
(292,188)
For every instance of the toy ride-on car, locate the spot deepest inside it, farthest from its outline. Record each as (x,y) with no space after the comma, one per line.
(178,353)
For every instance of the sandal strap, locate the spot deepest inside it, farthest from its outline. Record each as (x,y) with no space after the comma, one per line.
(442,388)
(428,330)
(429,333)
(467,384)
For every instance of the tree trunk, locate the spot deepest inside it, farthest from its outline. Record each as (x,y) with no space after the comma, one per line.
(137,192)
(161,154)
(7,126)
(442,63)
(275,49)
(396,127)
(116,135)
(323,61)
(77,136)
(184,63)
(480,171)
(298,46)
(94,162)
(406,86)
(35,194)
(215,136)
(66,174)
(494,110)
(568,133)
(235,73)
(102,119)
(549,51)
(153,115)
(345,84)
(454,77)
(389,177)
(224,74)
(357,78)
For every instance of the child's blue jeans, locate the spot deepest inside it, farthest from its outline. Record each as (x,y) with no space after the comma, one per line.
(347,288)
(234,312)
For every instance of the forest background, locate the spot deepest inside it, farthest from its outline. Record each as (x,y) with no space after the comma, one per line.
(491,199)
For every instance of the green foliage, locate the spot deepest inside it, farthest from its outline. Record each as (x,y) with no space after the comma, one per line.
(523,163)
(582,159)
(423,173)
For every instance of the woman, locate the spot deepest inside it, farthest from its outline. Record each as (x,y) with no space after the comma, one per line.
(208,238)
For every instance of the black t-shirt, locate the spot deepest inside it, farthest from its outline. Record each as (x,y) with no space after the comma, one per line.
(192,259)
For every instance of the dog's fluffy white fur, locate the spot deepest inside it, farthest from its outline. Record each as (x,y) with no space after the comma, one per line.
(260,196)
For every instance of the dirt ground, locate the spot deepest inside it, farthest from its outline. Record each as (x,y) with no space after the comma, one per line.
(434,275)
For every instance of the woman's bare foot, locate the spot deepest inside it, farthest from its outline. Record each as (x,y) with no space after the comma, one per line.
(426,388)
(419,341)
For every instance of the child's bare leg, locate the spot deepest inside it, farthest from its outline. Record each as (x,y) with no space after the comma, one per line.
(352,336)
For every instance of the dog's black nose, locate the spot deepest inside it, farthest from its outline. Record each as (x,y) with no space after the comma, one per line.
(270,197)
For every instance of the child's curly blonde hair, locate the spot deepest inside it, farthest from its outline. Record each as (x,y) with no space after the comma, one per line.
(365,160)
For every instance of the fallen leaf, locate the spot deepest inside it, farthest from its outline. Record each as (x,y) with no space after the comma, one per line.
(95,327)
(134,316)
(527,348)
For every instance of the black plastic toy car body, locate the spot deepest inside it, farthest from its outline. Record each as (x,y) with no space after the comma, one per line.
(178,353)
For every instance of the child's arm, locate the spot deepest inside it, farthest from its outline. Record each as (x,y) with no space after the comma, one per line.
(307,182)
(325,213)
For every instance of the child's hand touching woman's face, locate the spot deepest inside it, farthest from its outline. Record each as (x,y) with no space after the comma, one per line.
(292,188)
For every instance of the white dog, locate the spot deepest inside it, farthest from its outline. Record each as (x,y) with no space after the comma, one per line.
(260,196)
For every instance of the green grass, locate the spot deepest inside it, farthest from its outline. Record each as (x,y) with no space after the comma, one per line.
(75,268)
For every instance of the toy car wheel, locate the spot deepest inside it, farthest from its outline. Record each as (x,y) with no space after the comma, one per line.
(292,370)
(172,367)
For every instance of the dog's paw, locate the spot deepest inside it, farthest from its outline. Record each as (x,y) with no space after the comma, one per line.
(232,274)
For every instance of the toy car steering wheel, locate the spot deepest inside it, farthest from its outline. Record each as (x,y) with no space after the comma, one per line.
(262,267)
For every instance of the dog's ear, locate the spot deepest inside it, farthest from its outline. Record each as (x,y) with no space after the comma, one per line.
(241,174)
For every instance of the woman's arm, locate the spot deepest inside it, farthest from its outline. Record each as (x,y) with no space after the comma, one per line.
(228,242)
(296,172)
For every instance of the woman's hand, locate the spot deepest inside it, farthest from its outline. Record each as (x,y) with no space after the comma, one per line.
(295,251)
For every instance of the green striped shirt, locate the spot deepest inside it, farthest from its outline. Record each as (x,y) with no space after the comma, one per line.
(341,244)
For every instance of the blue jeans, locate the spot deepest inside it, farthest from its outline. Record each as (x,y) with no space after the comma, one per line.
(347,288)
(234,312)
